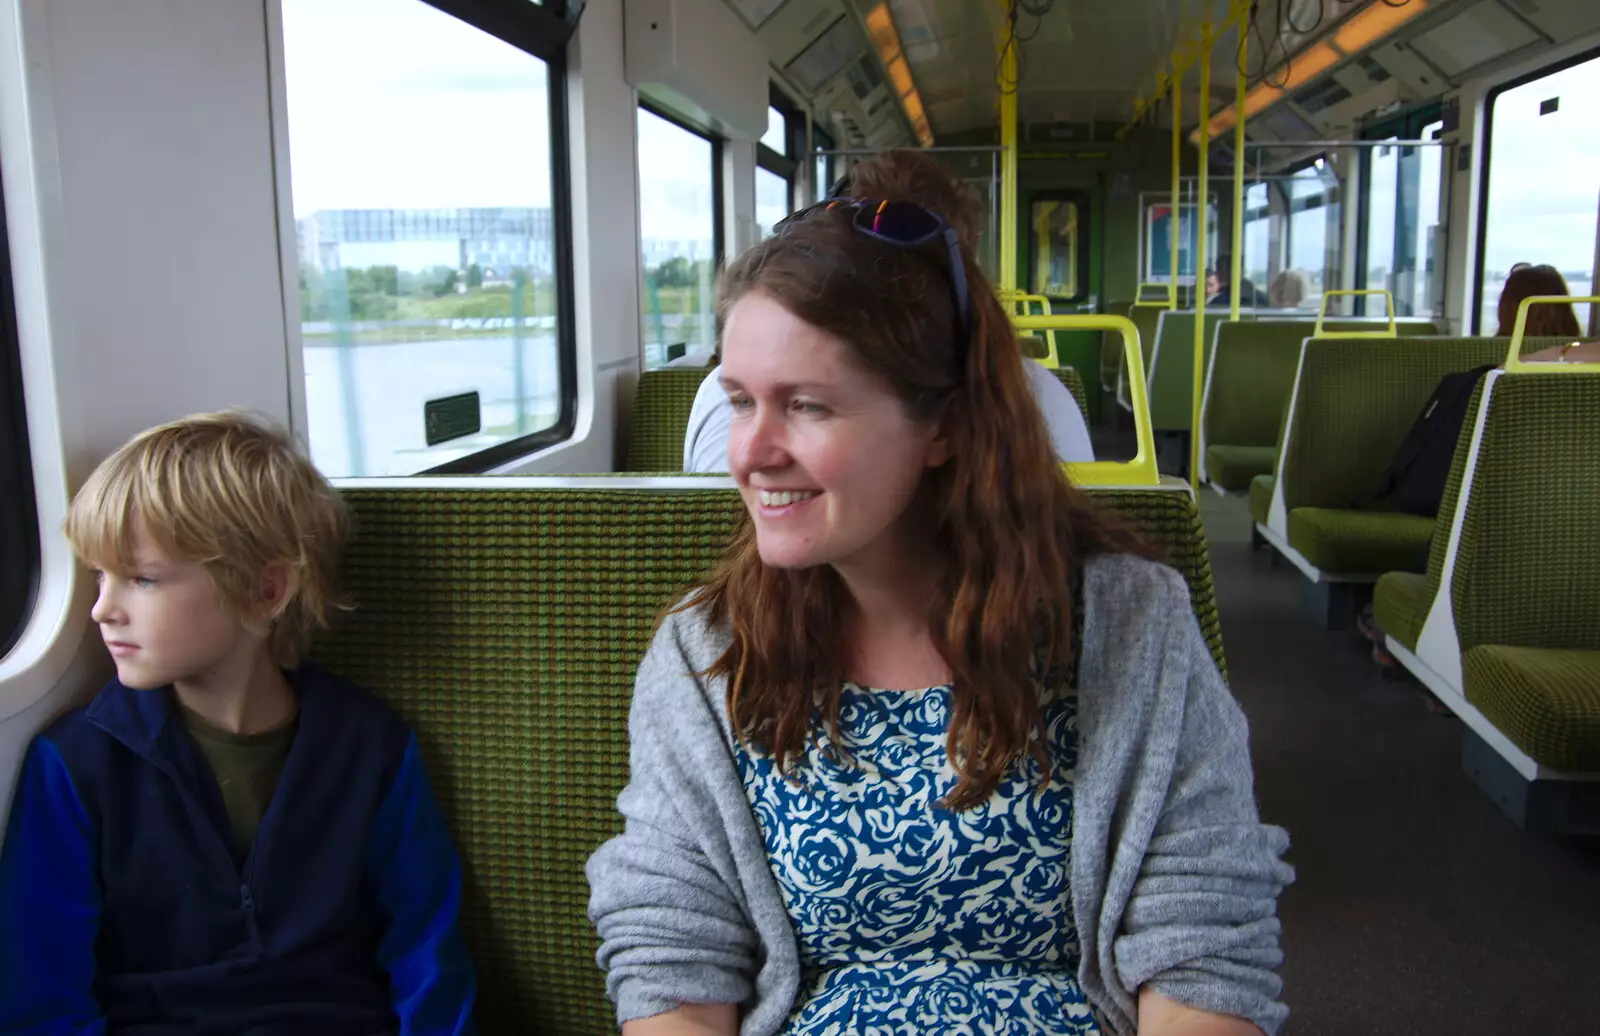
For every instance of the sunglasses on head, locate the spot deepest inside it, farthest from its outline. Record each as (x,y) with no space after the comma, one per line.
(904,225)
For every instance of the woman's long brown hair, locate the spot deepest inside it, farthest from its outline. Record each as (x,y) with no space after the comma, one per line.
(1550,319)
(1008,527)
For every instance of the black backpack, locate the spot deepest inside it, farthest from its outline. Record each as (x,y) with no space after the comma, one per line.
(1416,476)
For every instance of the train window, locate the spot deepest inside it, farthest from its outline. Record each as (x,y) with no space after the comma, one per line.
(823,164)
(19,523)
(1539,201)
(1059,257)
(1400,211)
(776,167)
(678,237)
(1312,195)
(772,199)
(429,270)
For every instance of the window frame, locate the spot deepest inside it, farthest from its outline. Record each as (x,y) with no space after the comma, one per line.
(718,203)
(1080,199)
(786,165)
(541,30)
(1405,126)
(19,522)
(1485,159)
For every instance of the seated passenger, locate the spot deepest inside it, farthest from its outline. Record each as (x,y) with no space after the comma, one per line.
(1287,290)
(1219,287)
(1549,319)
(935,748)
(899,175)
(227,839)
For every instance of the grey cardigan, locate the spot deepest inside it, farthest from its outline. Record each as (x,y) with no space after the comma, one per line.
(1174,880)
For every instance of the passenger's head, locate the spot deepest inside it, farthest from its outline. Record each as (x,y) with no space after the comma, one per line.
(903,175)
(1287,290)
(208,533)
(1214,282)
(877,437)
(1543,320)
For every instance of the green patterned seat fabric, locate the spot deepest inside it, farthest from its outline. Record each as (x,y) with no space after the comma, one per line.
(1360,543)
(1546,700)
(1401,600)
(506,626)
(1170,520)
(1357,399)
(1234,467)
(1261,488)
(661,418)
(1400,605)
(1073,380)
(1171,369)
(1145,319)
(1252,375)
(1524,593)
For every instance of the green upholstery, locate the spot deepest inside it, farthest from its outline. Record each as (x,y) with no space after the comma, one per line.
(661,418)
(1261,488)
(1171,369)
(505,625)
(1073,380)
(1401,600)
(1341,541)
(1546,700)
(1250,379)
(1234,467)
(1357,399)
(1111,346)
(1144,320)
(1170,520)
(1400,605)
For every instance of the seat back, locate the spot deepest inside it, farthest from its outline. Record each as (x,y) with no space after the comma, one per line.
(1526,564)
(504,619)
(1353,402)
(1251,373)
(1111,346)
(1069,376)
(661,407)
(1171,369)
(1145,319)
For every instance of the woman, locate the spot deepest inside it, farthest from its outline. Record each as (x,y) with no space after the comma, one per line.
(1550,319)
(933,748)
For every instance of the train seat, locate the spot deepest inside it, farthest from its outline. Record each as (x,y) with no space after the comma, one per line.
(1261,488)
(1353,402)
(504,617)
(661,406)
(1170,370)
(1145,319)
(1505,625)
(1111,346)
(1234,467)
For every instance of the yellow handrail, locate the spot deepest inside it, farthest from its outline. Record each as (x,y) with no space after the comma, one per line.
(1322,312)
(1168,300)
(1141,470)
(1514,360)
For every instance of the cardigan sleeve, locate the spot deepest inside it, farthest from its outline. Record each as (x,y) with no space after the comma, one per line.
(666,895)
(1201,925)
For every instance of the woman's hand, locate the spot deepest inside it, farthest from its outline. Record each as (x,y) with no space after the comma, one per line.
(1159,1016)
(688,1020)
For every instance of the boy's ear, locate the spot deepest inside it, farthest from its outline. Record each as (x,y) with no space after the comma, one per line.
(277,584)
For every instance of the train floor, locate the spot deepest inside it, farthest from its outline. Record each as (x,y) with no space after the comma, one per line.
(1418,907)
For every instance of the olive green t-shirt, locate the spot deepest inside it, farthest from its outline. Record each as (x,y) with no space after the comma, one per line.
(246,767)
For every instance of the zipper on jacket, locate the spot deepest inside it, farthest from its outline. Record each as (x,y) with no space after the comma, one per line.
(248,903)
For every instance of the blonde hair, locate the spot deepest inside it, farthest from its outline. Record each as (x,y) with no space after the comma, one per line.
(229,492)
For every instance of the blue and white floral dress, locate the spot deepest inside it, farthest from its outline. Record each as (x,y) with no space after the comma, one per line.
(911,918)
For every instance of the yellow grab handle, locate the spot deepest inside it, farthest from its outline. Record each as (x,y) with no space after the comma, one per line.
(1322,311)
(1141,470)
(1019,302)
(1514,361)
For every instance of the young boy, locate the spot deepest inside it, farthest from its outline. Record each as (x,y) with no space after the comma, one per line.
(227,839)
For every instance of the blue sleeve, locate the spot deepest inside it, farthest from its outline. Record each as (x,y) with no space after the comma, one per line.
(50,903)
(413,867)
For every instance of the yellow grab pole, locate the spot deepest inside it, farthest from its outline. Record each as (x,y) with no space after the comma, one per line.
(1177,159)
(1008,153)
(1200,227)
(1240,88)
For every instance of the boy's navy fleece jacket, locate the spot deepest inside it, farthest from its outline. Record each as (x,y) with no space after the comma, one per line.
(123,908)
